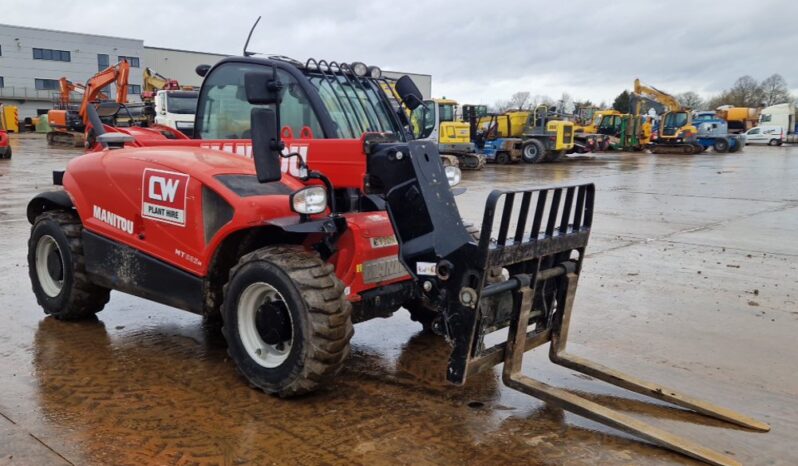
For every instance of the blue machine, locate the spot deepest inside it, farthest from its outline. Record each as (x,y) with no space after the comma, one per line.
(500,150)
(714,132)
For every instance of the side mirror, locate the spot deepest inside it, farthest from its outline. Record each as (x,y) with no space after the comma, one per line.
(266,145)
(202,70)
(408,92)
(263,88)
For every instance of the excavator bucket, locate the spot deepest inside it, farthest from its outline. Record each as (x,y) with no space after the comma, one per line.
(520,278)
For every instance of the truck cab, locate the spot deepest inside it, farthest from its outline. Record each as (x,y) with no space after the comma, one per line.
(176,109)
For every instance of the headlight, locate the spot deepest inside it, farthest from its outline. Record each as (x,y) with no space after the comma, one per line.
(453,174)
(375,72)
(360,69)
(310,200)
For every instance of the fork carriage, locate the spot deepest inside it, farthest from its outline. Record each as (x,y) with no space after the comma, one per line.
(521,276)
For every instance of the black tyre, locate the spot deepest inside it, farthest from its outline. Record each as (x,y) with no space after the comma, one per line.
(57,268)
(533,151)
(555,156)
(720,145)
(287,321)
(502,158)
(419,310)
(773,142)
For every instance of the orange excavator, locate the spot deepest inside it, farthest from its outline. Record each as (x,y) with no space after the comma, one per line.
(67,124)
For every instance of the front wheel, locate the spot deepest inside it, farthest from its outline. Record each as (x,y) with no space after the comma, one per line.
(503,158)
(721,145)
(534,151)
(287,321)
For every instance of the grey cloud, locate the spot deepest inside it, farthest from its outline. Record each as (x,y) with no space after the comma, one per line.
(475,50)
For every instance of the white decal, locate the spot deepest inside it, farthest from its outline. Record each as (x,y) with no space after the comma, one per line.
(116,221)
(164,196)
(426,268)
(383,241)
(287,165)
(188,257)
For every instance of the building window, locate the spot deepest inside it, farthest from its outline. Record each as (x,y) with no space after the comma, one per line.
(50,54)
(102,61)
(46,84)
(2,82)
(133,89)
(133,61)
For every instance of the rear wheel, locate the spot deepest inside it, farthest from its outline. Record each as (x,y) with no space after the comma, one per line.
(533,151)
(555,156)
(773,142)
(57,268)
(720,145)
(287,321)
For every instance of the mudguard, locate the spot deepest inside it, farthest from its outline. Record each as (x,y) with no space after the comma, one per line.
(48,200)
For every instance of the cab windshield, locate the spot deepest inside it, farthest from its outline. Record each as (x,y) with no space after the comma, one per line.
(355,105)
(182,103)
(673,122)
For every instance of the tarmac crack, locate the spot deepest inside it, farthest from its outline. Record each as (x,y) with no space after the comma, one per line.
(37,439)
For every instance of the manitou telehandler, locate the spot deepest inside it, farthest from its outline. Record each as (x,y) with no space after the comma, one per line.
(301,209)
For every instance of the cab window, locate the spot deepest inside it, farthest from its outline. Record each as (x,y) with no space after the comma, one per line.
(224,112)
(422,120)
(447,112)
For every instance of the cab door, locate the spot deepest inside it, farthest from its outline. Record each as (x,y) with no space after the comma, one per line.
(754,136)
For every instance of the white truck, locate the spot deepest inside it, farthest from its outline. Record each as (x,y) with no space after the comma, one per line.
(176,109)
(781,115)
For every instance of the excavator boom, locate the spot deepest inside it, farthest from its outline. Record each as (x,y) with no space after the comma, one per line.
(117,74)
(650,92)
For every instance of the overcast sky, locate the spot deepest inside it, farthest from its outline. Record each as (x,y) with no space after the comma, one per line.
(477,51)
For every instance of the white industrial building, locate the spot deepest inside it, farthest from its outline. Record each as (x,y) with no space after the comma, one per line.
(32,60)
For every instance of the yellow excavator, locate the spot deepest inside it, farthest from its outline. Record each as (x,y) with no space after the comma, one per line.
(436,120)
(677,133)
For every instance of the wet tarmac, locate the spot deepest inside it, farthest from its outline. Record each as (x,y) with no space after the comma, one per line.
(691,281)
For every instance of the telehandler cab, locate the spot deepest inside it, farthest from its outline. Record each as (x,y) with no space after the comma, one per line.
(334,219)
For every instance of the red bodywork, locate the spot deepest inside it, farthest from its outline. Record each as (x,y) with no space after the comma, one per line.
(3,138)
(150,198)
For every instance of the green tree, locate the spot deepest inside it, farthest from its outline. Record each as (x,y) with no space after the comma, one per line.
(621,103)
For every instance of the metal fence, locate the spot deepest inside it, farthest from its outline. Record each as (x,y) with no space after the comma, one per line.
(27,93)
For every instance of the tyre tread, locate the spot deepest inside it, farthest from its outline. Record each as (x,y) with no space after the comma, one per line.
(330,312)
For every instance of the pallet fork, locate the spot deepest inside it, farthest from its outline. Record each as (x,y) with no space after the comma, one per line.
(537,253)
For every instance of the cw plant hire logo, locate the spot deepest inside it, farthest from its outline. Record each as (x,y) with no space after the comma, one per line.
(164,196)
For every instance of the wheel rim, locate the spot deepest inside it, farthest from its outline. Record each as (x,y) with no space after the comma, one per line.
(49,266)
(263,318)
(531,151)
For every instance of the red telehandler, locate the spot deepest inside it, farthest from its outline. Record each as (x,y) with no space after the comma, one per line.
(300,209)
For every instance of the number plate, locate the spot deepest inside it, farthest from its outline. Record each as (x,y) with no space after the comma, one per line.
(383,241)
(383,269)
